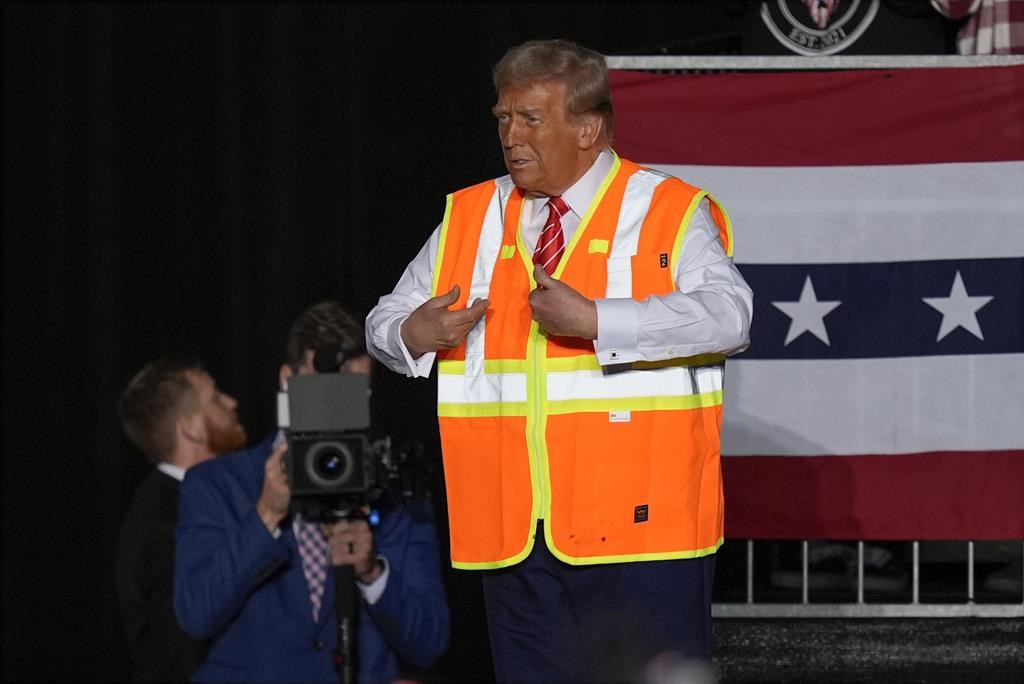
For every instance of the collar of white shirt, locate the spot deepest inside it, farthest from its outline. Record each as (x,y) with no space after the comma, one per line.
(578,197)
(177,472)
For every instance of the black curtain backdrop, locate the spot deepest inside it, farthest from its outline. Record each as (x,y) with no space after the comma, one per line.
(188,177)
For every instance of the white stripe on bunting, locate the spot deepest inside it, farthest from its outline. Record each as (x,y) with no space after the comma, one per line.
(839,214)
(899,405)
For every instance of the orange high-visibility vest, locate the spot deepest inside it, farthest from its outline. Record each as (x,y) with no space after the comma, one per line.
(622,463)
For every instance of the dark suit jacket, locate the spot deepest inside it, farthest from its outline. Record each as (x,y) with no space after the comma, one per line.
(237,583)
(159,649)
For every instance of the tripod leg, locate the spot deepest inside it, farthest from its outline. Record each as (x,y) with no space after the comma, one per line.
(346,608)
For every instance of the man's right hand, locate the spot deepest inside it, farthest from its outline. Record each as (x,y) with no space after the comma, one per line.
(277,493)
(434,326)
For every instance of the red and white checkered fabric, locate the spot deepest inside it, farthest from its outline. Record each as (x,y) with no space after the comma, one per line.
(314,549)
(995,27)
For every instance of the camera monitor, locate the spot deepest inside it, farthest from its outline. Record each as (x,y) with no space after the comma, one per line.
(328,402)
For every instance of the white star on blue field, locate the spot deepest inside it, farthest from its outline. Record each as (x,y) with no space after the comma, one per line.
(958,309)
(883,310)
(807,314)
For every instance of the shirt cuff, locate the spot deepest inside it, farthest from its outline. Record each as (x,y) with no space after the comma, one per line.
(372,592)
(417,368)
(617,331)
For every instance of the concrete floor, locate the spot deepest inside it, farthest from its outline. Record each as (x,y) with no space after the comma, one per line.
(930,650)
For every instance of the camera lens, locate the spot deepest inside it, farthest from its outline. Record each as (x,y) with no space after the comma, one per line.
(329,464)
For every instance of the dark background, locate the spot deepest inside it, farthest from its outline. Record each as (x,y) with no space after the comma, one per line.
(188,177)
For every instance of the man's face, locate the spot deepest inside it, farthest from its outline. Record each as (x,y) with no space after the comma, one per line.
(224,432)
(541,148)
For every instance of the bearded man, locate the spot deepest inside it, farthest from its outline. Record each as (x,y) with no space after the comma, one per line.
(174,413)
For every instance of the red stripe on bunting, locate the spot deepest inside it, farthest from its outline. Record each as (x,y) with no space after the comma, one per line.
(814,118)
(928,496)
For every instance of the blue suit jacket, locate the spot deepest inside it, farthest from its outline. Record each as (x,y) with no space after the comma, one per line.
(236,583)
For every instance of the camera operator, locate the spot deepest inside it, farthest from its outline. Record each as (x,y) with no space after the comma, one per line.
(246,577)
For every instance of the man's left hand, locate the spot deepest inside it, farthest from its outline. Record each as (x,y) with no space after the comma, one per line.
(561,310)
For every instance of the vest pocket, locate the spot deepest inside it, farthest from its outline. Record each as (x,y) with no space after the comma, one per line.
(489,487)
(638,276)
(649,486)
(652,275)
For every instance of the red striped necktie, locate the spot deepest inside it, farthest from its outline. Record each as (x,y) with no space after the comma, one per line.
(551,242)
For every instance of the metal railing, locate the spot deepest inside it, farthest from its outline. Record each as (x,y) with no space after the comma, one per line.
(797,62)
(970,607)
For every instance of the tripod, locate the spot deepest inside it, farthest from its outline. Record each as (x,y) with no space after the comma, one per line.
(345,610)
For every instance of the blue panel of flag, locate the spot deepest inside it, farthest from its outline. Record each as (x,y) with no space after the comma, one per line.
(882,312)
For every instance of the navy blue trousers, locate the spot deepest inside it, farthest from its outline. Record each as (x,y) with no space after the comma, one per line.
(553,622)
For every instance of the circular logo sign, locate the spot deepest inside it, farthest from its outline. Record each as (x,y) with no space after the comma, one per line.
(818,27)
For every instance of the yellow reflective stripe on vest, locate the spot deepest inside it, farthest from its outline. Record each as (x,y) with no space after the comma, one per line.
(685,225)
(573,363)
(490,366)
(492,410)
(728,224)
(698,360)
(441,241)
(693,401)
(588,362)
(626,558)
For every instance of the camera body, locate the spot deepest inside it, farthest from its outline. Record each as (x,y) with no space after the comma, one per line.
(332,466)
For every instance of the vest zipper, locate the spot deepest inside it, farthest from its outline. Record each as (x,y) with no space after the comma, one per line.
(539,424)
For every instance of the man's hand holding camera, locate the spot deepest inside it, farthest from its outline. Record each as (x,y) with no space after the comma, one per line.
(277,494)
(352,544)
(351,540)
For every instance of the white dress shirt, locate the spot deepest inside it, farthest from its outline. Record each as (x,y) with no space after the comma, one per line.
(710,312)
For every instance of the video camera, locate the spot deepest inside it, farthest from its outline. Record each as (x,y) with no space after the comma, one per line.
(333,466)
